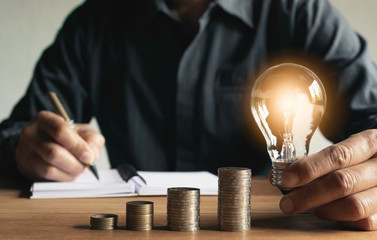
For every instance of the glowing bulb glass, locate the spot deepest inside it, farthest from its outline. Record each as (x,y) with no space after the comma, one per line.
(287,102)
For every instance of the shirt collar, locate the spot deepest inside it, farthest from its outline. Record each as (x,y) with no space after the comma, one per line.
(239,8)
(163,7)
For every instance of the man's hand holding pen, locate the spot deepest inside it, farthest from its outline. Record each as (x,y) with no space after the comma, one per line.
(49,149)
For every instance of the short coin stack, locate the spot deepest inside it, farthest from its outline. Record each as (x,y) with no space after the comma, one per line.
(103,221)
(139,215)
(183,209)
(234,199)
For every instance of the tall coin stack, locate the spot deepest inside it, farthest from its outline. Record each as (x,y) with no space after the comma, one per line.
(183,209)
(103,221)
(234,199)
(139,215)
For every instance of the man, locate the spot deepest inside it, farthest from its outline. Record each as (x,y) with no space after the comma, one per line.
(169,83)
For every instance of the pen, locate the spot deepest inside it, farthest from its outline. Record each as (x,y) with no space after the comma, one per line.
(59,109)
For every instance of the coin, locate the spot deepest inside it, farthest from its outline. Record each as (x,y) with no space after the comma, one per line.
(183,209)
(139,215)
(234,192)
(103,221)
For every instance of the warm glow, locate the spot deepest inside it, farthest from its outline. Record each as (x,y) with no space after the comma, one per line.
(287,103)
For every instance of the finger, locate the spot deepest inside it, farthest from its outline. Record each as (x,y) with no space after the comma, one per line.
(55,155)
(62,133)
(369,223)
(355,207)
(354,150)
(49,172)
(37,169)
(94,139)
(331,187)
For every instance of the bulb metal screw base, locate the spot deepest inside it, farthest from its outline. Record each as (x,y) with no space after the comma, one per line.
(277,171)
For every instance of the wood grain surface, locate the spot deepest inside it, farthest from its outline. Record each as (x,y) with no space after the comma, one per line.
(23,218)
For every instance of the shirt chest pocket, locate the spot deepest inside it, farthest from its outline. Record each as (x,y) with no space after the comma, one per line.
(232,100)
(232,80)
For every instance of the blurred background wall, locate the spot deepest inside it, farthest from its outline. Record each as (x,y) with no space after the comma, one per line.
(27,27)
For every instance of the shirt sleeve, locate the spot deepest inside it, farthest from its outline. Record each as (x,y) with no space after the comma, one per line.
(346,67)
(61,69)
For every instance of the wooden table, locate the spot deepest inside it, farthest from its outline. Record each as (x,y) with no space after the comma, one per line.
(23,218)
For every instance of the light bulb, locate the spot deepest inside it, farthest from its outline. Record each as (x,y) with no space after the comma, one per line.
(287,102)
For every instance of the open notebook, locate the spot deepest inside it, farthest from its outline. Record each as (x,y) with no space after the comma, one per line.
(113,184)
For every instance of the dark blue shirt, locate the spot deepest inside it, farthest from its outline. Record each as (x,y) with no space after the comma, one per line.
(169,98)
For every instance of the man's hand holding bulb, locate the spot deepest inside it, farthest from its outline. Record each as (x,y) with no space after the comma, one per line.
(338,183)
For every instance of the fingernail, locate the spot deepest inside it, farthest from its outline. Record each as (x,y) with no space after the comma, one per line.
(100,140)
(286,205)
(290,179)
(87,157)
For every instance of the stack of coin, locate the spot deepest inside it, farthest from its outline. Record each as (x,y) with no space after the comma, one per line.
(103,221)
(139,215)
(183,209)
(234,199)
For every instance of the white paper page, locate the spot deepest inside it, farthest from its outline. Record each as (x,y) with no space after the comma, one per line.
(84,186)
(159,182)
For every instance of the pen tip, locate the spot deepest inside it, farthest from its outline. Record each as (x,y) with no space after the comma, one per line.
(93,169)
